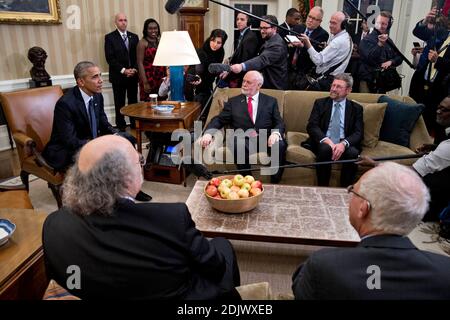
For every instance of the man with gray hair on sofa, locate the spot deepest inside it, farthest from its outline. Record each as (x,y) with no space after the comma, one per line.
(386,204)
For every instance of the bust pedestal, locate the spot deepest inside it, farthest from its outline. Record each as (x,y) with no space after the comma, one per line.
(40,84)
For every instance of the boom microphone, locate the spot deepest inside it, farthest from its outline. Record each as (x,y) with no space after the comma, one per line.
(218,68)
(173,6)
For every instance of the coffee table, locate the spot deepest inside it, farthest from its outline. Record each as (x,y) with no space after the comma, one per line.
(286,214)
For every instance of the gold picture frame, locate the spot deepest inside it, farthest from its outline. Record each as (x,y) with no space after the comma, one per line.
(30,11)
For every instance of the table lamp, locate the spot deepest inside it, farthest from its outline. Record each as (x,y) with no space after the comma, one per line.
(176,50)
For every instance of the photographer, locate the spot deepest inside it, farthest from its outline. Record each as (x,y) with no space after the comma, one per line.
(428,84)
(377,56)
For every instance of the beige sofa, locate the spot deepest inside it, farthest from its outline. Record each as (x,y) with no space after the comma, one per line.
(295,108)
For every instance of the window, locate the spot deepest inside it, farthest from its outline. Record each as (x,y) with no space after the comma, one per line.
(362,5)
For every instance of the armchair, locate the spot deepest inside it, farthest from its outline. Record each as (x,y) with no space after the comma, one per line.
(30,116)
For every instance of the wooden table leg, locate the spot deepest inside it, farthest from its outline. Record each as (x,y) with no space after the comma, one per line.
(139,136)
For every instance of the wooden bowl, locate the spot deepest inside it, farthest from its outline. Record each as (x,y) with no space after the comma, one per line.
(233,206)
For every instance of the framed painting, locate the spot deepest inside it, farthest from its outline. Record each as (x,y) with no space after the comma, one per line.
(30,11)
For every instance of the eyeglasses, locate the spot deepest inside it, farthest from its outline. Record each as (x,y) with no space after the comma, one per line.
(442,109)
(265,28)
(313,18)
(142,160)
(350,190)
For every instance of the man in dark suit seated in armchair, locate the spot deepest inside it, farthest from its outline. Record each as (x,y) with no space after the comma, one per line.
(255,113)
(386,204)
(119,249)
(336,130)
(79,117)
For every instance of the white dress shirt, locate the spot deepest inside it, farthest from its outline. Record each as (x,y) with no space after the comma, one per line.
(343,104)
(339,48)
(436,160)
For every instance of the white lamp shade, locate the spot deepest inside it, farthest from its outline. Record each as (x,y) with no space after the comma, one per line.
(176,49)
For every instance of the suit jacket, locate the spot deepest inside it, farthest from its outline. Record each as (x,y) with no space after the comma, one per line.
(406,272)
(320,117)
(142,251)
(71,128)
(283,33)
(372,56)
(272,62)
(304,63)
(247,49)
(422,32)
(118,56)
(235,114)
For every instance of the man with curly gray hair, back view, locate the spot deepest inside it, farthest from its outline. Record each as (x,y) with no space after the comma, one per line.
(102,244)
(386,204)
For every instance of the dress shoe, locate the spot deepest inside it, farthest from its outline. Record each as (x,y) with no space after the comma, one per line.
(142,196)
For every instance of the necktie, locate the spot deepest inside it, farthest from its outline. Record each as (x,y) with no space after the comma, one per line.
(335,126)
(433,69)
(250,108)
(93,119)
(125,40)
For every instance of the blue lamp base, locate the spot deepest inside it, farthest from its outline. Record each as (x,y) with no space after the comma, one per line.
(177,83)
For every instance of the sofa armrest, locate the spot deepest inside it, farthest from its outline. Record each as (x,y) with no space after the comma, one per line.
(28,146)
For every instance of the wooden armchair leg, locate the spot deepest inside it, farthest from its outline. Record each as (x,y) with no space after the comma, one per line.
(24,177)
(56,191)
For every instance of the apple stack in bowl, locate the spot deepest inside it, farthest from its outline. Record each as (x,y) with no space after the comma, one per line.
(233,188)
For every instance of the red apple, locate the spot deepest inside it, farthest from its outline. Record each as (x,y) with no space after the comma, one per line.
(211,191)
(215,182)
(217,196)
(257,184)
(255,191)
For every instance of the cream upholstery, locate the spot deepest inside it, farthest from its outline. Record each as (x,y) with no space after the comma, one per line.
(295,108)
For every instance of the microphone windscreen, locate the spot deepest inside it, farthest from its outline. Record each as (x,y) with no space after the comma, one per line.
(173,6)
(218,68)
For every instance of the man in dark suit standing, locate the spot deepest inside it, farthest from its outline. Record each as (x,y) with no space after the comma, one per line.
(120,52)
(245,48)
(335,130)
(126,250)
(256,114)
(386,204)
(79,117)
(272,58)
(293,18)
(300,63)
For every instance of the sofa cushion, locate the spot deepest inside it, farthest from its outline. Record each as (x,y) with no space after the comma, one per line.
(387,149)
(373,115)
(296,153)
(399,120)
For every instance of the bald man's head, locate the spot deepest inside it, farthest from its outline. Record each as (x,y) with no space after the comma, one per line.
(335,22)
(95,150)
(121,22)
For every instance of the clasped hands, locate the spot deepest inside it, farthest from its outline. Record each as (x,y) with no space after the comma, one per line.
(130,72)
(337,149)
(207,139)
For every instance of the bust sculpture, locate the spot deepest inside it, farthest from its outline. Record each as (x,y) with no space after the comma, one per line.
(37,56)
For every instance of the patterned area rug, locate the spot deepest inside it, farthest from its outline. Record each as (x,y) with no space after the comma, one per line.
(15,182)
